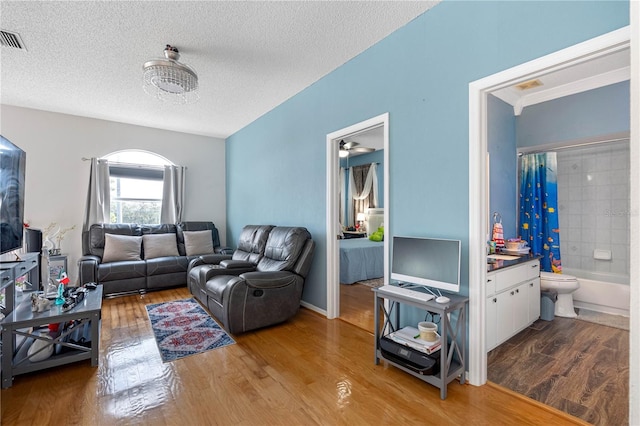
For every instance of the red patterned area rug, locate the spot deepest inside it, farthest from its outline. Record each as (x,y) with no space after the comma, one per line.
(183,328)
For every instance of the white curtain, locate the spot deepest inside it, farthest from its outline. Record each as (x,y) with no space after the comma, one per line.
(99,194)
(341,189)
(370,183)
(173,194)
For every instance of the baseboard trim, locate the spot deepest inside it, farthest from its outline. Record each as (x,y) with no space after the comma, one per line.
(568,417)
(313,308)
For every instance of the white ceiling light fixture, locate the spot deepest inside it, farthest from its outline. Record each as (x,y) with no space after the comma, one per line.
(170,80)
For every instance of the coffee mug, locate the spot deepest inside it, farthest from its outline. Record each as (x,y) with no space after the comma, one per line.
(428,331)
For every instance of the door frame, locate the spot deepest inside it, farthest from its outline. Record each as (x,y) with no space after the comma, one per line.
(333,203)
(478,180)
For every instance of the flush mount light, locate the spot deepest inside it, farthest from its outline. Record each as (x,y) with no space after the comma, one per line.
(169,80)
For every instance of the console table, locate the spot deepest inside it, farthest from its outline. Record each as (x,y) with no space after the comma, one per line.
(453,337)
(12,270)
(20,328)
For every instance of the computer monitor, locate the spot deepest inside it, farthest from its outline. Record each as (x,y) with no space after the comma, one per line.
(429,262)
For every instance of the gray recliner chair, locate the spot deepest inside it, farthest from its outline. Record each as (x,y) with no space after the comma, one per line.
(268,295)
(245,258)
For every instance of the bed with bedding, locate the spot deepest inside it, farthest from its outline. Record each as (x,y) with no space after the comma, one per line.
(360,259)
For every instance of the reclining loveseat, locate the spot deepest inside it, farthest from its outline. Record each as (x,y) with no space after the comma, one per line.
(250,249)
(261,283)
(127,258)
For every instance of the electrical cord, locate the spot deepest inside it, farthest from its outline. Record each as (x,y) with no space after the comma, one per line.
(432,317)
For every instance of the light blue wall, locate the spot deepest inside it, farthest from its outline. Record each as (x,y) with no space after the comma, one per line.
(597,112)
(420,75)
(501,142)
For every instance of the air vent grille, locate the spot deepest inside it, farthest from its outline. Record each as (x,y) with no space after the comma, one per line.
(12,40)
(529,84)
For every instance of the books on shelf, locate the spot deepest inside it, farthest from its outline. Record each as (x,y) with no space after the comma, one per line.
(410,336)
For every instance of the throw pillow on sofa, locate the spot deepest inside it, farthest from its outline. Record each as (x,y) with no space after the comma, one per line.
(198,242)
(121,247)
(159,245)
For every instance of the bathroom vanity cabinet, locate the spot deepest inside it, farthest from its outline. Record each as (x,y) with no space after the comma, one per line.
(513,301)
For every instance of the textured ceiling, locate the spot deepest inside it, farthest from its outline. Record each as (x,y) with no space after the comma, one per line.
(85,58)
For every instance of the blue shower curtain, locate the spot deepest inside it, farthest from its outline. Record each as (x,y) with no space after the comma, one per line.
(539,208)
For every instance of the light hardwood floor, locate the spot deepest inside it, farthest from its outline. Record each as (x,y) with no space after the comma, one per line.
(356,305)
(307,371)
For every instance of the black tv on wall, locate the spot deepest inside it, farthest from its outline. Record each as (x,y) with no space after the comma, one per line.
(12,180)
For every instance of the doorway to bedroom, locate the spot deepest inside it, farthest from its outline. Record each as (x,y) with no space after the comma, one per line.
(357,192)
(360,214)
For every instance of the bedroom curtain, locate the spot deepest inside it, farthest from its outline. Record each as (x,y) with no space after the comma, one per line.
(173,188)
(341,190)
(363,190)
(99,194)
(539,208)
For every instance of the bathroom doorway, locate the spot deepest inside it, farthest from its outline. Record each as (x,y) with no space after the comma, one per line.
(478,188)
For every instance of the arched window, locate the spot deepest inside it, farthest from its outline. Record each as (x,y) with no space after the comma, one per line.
(136,179)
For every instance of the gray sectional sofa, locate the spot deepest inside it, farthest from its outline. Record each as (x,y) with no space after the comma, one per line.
(128,258)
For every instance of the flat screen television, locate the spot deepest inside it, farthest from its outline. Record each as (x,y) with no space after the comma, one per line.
(428,262)
(12,175)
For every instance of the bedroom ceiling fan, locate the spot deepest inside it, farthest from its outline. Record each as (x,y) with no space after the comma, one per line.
(351,147)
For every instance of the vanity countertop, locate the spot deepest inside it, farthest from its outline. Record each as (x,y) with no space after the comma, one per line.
(497,264)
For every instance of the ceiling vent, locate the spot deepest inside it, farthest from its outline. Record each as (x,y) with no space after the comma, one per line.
(529,84)
(13,40)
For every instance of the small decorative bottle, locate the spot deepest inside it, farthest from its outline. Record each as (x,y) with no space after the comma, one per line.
(60,298)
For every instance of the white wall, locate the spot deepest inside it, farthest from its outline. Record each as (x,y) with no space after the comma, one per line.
(57,178)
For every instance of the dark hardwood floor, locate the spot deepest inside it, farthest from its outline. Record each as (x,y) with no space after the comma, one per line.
(576,366)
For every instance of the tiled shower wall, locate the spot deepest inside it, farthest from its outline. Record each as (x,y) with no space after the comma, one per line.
(593,205)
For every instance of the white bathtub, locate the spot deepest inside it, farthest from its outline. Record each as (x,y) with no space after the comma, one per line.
(601,296)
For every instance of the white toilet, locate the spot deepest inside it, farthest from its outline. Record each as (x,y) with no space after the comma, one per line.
(565,285)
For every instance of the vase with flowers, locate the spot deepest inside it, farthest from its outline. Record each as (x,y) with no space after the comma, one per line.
(53,236)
